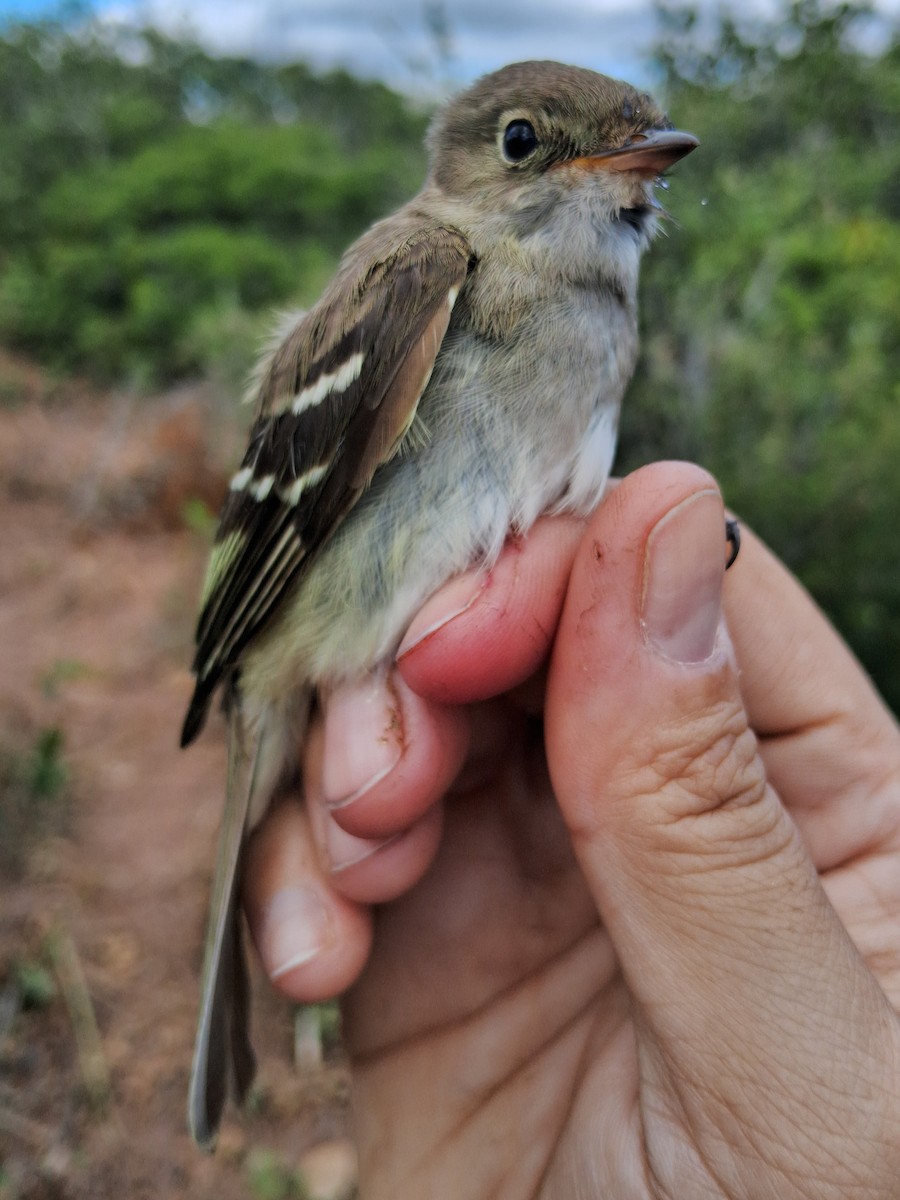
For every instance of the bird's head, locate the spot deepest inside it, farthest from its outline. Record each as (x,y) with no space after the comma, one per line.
(559,150)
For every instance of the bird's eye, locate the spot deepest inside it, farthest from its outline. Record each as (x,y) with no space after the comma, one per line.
(519,140)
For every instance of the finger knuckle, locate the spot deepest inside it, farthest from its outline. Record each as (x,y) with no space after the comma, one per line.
(703,761)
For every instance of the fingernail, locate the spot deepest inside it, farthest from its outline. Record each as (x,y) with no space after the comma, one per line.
(363,740)
(683,571)
(296,928)
(344,850)
(452,600)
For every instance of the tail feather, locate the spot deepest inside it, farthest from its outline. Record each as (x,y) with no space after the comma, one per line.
(223,1057)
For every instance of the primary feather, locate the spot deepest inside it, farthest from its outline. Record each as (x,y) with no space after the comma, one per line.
(335,403)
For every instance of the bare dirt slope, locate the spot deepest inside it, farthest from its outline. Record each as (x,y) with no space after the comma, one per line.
(98,579)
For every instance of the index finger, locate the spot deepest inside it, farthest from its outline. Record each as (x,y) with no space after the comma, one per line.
(486,632)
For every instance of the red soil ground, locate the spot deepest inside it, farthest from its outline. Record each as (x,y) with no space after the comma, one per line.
(99,574)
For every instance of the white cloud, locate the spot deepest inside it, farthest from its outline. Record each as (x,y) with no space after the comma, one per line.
(388,39)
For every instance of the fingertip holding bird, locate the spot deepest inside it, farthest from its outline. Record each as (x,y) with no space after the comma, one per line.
(486,632)
(380,757)
(295,927)
(450,602)
(375,870)
(363,739)
(312,941)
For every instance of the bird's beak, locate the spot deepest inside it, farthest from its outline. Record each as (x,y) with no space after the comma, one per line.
(651,152)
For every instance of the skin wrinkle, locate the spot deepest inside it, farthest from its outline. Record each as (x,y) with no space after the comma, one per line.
(724,739)
(676,1089)
(702,917)
(693,1103)
(834,720)
(842,837)
(818,1101)
(869,749)
(884,962)
(723,836)
(543,635)
(679,1017)
(887,785)
(766,1138)
(675,822)
(551,1164)
(614,1012)
(885,901)
(500,606)
(867,818)
(885,1051)
(373,1057)
(525,1065)
(727,752)
(700,923)
(758,1081)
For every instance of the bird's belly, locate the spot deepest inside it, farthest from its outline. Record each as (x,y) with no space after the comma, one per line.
(497,445)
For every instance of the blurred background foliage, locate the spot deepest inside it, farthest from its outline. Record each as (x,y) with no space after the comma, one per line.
(156,203)
(153,198)
(771,312)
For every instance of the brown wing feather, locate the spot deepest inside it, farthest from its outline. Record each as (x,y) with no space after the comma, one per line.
(336,401)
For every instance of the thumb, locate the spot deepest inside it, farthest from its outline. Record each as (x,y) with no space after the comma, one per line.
(733,957)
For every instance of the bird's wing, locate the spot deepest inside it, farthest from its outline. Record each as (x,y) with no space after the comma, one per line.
(336,401)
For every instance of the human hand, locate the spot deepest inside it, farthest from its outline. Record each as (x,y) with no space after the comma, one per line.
(653,955)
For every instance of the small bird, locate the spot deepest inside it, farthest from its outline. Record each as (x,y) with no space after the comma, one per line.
(460,376)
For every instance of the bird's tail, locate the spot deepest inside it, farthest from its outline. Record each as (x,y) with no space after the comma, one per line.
(223,1056)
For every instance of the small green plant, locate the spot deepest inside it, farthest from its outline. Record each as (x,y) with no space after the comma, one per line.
(34,795)
(330,1025)
(270,1179)
(197,517)
(34,984)
(47,774)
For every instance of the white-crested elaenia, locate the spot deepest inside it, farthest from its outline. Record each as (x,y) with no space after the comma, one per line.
(460,376)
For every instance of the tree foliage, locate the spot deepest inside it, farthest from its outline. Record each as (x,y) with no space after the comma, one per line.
(147,187)
(772,311)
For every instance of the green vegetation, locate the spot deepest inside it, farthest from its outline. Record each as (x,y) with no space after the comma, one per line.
(156,202)
(34,795)
(772,311)
(152,196)
(270,1178)
(33,983)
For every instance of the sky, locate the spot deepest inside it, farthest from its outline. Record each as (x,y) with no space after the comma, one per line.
(389,39)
